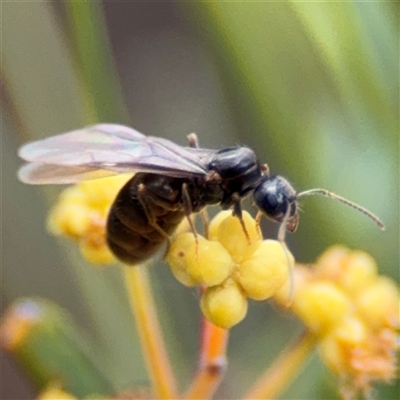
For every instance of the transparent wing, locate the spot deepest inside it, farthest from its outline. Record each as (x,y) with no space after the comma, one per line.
(46,174)
(105,149)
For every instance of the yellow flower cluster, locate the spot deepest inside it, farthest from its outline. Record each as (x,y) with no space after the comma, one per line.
(81,213)
(354,312)
(229,266)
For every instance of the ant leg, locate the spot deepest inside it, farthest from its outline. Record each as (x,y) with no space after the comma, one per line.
(237,211)
(259,216)
(193,140)
(206,221)
(281,239)
(144,198)
(187,205)
(265,169)
(282,231)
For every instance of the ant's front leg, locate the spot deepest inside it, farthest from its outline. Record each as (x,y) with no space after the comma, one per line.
(237,211)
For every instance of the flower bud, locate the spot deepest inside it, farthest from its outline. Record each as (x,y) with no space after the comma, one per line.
(332,261)
(378,304)
(333,354)
(216,222)
(224,305)
(176,258)
(352,332)
(265,271)
(206,262)
(322,306)
(81,213)
(96,252)
(232,236)
(71,219)
(361,271)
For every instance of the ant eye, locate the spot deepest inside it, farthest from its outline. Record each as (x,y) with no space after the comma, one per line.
(271,200)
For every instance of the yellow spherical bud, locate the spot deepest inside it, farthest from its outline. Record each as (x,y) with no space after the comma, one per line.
(232,236)
(352,332)
(176,258)
(78,206)
(322,306)
(353,270)
(378,304)
(101,193)
(205,262)
(332,261)
(333,354)
(209,263)
(360,272)
(96,253)
(216,222)
(81,213)
(265,271)
(71,219)
(73,195)
(224,305)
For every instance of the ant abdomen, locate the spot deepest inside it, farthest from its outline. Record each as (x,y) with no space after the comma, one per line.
(130,234)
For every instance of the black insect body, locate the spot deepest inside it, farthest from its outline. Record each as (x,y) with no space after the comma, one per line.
(149,207)
(170,183)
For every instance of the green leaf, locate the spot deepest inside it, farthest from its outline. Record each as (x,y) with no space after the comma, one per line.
(94,59)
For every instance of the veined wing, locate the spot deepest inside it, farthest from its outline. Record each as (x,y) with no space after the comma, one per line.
(47,174)
(107,149)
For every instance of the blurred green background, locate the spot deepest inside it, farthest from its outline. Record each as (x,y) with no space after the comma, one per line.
(312,86)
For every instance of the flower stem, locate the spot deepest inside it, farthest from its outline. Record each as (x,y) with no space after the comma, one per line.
(155,354)
(283,370)
(212,363)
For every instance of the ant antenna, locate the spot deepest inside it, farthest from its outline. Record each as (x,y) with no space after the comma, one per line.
(326,193)
(281,239)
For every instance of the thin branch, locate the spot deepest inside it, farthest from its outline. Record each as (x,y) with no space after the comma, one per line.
(212,362)
(282,372)
(155,354)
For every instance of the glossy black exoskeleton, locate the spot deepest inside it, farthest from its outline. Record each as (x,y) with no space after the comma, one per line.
(150,206)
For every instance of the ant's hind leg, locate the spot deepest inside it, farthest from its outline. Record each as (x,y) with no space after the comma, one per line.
(193,141)
(206,222)
(144,198)
(187,205)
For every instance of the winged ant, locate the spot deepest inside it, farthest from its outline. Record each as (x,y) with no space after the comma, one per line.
(169,184)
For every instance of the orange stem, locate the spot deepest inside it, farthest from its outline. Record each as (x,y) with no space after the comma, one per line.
(283,370)
(212,362)
(153,347)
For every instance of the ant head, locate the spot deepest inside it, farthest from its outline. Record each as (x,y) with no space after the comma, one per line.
(277,200)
